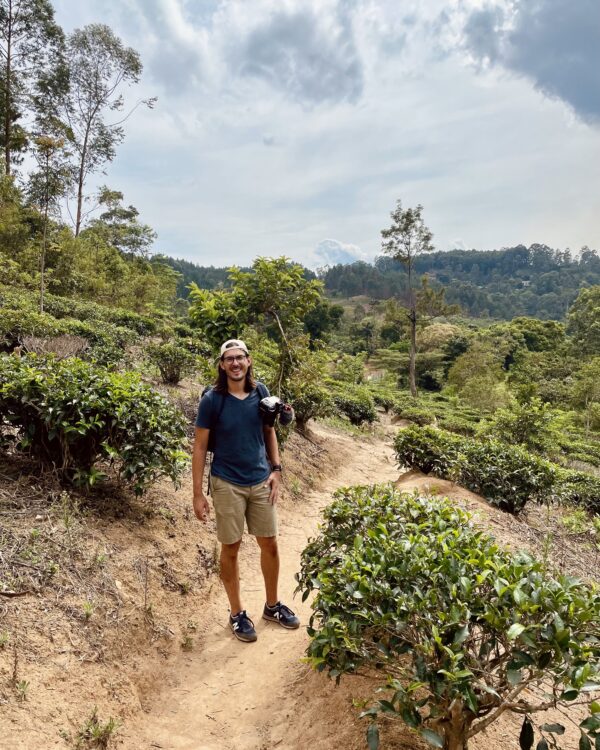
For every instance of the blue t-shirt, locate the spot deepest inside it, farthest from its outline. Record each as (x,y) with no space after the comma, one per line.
(240,454)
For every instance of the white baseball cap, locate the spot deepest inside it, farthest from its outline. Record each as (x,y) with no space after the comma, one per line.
(234,344)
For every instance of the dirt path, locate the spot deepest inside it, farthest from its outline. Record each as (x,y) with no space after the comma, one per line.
(227,694)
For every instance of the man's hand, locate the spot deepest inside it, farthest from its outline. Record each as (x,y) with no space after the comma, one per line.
(274,481)
(201,507)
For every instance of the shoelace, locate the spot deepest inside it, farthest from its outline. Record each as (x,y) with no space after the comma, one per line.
(280,609)
(241,618)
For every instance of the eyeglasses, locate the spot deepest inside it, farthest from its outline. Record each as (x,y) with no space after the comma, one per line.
(231,360)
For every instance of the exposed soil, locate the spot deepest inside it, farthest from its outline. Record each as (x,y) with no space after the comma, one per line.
(124,611)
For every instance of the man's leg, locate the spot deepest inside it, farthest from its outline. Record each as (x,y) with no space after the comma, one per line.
(269,564)
(230,575)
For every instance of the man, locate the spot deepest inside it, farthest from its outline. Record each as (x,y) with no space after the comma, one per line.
(245,480)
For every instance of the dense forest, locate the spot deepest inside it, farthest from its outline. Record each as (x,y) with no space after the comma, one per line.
(537,281)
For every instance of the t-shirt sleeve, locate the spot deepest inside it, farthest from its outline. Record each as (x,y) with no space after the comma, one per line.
(205,408)
(265,390)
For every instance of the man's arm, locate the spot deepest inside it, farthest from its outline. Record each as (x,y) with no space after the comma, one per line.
(201,506)
(273,456)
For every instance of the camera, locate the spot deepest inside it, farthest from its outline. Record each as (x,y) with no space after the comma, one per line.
(271,407)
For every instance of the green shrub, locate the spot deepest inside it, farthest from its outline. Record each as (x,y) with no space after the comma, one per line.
(403,401)
(16,324)
(507,476)
(457,424)
(578,488)
(530,424)
(305,388)
(354,402)
(383,397)
(458,629)
(351,369)
(72,415)
(172,360)
(107,341)
(185,331)
(417,415)
(62,307)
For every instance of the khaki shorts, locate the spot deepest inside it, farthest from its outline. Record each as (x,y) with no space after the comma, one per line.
(234,503)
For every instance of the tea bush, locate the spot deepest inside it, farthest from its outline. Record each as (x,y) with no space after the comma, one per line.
(417,415)
(72,415)
(16,324)
(172,360)
(531,424)
(107,341)
(355,402)
(62,307)
(578,488)
(458,629)
(382,398)
(458,424)
(451,414)
(508,476)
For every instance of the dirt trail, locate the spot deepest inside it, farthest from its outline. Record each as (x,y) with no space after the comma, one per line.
(227,694)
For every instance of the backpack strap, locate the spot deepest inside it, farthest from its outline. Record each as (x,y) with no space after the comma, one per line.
(262,390)
(215,418)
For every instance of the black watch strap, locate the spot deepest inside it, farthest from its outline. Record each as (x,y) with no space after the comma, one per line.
(276,467)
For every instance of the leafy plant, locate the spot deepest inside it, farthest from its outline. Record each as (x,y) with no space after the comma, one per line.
(355,402)
(22,688)
(530,424)
(172,360)
(576,522)
(458,629)
(71,415)
(95,733)
(351,369)
(507,476)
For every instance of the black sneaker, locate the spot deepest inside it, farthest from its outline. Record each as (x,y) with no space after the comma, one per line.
(242,627)
(281,614)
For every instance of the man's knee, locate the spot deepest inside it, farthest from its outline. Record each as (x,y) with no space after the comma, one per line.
(230,551)
(268,544)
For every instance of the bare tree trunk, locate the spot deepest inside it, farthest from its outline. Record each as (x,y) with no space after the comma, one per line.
(7,93)
(412,316)
(79,200)
(43,261)
(80,181)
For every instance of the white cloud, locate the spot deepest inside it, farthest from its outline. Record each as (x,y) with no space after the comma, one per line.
(281,123)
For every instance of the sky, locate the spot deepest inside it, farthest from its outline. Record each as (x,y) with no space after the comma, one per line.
(292,127)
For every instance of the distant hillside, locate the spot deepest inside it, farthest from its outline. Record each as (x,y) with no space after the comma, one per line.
(207,277)
(537,281)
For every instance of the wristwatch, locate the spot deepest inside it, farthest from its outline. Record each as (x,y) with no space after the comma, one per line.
(276,467)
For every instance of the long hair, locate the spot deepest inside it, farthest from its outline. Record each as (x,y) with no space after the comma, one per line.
(220,384)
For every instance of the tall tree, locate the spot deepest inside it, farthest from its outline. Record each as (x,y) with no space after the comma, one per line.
(406,238)
(47,186)
(30,48)
(120,226)
(99,66)
(583,321)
